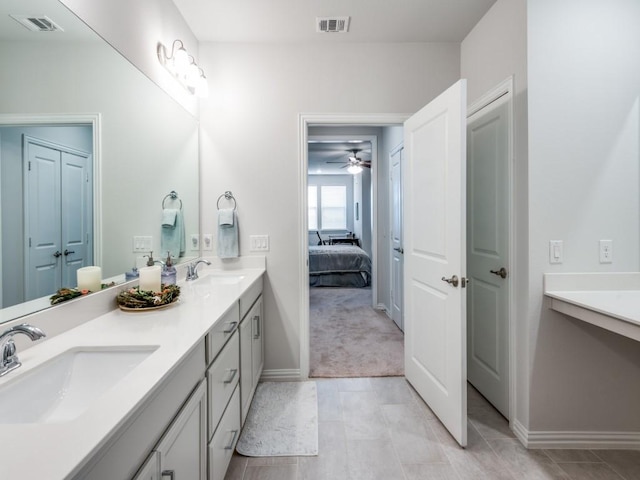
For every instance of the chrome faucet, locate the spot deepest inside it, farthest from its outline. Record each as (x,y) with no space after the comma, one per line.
(192,272)
(10,360)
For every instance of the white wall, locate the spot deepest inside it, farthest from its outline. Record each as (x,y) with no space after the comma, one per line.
(494,50)
(584,128)
(250,142)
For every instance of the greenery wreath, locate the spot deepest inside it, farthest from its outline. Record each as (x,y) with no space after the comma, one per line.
(65,294)
(136,298)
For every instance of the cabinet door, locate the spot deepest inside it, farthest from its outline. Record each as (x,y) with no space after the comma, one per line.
(257,348)
(183,448)
(246,365)
(150,469)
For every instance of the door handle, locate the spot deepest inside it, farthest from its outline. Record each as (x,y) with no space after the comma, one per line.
(232,375)
(168,473)
(399,250)
(68,252)
(257,320)
(451,281)
(231,328)
(502,273)
(229,446)
(57,254)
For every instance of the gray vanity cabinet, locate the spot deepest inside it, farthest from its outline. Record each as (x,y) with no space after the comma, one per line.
(251,354)
(181,453)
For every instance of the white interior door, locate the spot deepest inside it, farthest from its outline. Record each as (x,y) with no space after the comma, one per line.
(397,252)
(76,228)
(488,252)
(42,220)
(434,181)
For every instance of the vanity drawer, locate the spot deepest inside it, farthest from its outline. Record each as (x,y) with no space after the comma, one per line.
(222,331)
(224,441)
(249,297)
(222,378)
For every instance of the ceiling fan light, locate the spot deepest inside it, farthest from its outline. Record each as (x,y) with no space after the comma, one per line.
(354,169)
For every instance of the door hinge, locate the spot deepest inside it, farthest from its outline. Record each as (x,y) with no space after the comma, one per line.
(29,165)
(29,242)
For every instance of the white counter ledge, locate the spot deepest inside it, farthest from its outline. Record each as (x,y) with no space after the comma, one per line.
(60,450)
(608,300)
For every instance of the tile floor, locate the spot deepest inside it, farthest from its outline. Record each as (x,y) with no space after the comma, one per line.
(378,428)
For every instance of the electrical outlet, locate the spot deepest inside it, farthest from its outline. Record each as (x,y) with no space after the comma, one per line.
(195,241)
(207,241)
(259,243)
(606,251)
(142,243)
(556,253)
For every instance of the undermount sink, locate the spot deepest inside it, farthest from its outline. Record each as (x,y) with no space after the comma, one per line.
(222,278)
(62,388)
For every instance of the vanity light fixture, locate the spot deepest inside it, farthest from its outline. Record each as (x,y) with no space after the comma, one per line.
(184,68)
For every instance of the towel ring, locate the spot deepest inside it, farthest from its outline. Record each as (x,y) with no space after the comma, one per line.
(174,196)
(229,196)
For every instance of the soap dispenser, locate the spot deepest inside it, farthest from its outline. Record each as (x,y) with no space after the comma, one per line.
(169,273)
(132,274)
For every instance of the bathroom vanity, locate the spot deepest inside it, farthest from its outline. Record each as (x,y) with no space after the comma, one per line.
(608,300)
(166,399)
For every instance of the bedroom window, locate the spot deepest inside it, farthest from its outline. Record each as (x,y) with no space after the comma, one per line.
(327,207)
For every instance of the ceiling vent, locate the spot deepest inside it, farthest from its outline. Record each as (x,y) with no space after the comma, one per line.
(332,24)
(37,23)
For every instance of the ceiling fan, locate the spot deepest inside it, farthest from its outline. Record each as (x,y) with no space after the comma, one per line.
(353,160)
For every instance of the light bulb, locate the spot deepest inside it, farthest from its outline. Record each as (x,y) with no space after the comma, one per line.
(181,60)
(354,169)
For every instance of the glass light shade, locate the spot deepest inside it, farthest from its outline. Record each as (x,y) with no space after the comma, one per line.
(354,169)
(193,74)
(202,87)
(181,61)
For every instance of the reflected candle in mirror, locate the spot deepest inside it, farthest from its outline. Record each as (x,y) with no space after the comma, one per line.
(150,278)
(89,278)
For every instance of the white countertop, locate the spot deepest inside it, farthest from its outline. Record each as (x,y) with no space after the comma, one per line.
(59,450)
(608,300)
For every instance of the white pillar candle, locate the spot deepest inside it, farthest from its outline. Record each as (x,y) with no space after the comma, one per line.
(89,278)
(150,278)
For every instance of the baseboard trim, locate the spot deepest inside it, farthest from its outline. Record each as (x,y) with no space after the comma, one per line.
(383,308)
(281,375)
(579,440)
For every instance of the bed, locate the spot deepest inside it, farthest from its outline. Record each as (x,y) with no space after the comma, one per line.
(339,266)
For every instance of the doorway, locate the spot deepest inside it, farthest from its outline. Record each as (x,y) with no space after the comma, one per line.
(378,302)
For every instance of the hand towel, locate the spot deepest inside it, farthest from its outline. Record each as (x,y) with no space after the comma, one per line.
(227,234)
(172,237)
(169,217)
(225,217)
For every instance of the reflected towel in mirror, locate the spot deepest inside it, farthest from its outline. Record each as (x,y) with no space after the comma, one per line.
(172,237)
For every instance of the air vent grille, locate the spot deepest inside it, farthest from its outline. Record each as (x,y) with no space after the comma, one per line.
(37,23)
(332,24)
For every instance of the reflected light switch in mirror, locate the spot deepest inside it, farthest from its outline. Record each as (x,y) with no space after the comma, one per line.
(195,241)
(207,241)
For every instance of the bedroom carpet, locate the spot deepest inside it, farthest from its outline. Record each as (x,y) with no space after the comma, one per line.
(282,421)
(351,339)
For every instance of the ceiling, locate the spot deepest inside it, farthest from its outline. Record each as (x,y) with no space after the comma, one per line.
(321,152)
(294,20)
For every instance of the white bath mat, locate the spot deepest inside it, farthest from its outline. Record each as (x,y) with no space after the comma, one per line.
(282,421)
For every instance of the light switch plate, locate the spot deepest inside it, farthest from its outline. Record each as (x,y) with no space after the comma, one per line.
(207,241)
(556,253)
(142,243)
(259,243)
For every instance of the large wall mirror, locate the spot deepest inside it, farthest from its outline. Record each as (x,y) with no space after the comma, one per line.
(70,93)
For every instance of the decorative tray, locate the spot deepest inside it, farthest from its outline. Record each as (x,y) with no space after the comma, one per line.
(136,300)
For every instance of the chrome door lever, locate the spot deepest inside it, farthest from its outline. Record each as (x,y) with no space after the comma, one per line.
(451,281)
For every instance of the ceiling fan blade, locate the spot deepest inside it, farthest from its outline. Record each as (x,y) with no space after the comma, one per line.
(335,162)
